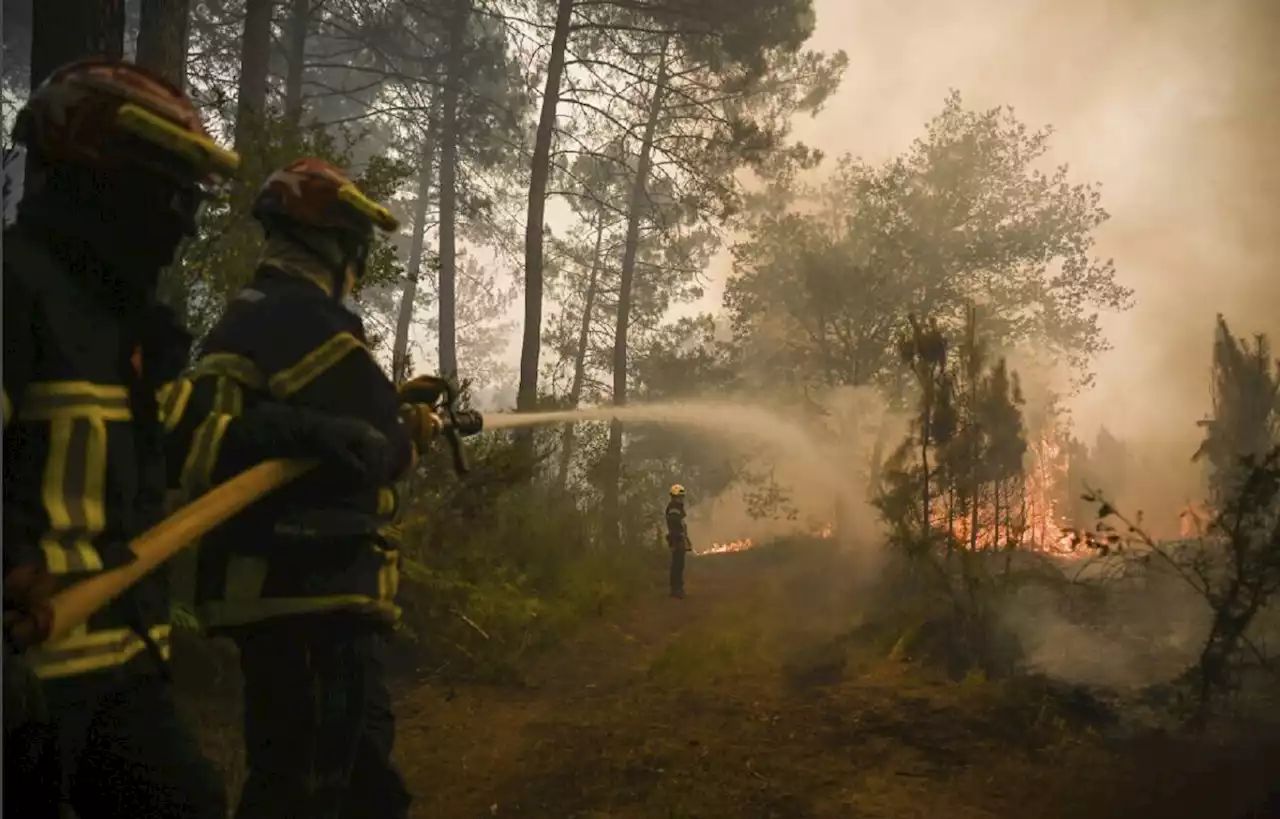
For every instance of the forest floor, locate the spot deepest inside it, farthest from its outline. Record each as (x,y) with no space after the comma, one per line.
(753,698)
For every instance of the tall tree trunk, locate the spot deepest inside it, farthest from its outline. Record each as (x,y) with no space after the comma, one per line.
(926,432)
(404,321)
(447,290)
(162,38)
(255,58)
(63,31)
(567,439)
(639,200)
(299,25)
(540,173)
(162,47)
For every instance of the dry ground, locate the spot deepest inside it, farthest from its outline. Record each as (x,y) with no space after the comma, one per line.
(749,699)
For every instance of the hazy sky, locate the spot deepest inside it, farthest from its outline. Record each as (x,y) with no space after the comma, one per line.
(1163,102)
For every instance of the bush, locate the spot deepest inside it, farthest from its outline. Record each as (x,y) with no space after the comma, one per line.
(497,567)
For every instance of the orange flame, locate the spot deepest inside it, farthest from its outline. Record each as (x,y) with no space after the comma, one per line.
(1029,519)
(729,546)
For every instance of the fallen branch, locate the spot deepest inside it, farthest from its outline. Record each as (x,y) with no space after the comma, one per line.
(464,618)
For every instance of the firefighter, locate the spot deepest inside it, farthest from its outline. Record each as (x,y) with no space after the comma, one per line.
(305,582)
(677,539)
(119,165)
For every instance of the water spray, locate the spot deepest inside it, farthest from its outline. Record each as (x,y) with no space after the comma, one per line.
(734,421)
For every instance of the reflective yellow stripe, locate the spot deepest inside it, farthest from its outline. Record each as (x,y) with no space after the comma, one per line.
(173,398)
(197,470)
(73,493)
(313,365)
(87,651)
(230,365)
(231,373)
(246,576)
(228,398)
(387,501)
(75,399)
(95,477)
(389,577)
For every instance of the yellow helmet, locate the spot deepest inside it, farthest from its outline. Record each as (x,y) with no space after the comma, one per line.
(677,491)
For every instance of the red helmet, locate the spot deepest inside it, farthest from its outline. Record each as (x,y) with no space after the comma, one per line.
(109,115)
(312,193)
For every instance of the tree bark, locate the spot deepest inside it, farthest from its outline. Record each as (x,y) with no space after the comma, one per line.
(63,31)
(404,321)
(255,58)
(567,439)
(162,47)
(299,25)
(639,200)
(162,38)
(540,173)
(447,290)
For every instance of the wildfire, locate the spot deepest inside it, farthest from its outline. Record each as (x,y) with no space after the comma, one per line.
(1193,520)
(825,531)
(729,546)
(1025,514)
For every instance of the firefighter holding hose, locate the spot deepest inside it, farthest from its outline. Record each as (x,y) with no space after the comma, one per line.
(677,539)
(119,165)
(305,581)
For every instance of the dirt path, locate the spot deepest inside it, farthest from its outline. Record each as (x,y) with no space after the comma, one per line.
(470,749)
(749,701)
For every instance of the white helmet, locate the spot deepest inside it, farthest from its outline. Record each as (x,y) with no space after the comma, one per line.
(677,491)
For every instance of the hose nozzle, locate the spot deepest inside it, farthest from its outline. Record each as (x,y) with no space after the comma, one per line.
(443,394)
(465,422)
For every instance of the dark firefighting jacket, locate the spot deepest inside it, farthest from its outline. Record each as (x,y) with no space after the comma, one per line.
(309,547)
(677,532)
(83,454)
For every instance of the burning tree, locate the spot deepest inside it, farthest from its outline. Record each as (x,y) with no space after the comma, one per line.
(960,480)
(966,489)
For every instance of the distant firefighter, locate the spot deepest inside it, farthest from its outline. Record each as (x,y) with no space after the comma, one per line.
(677,539)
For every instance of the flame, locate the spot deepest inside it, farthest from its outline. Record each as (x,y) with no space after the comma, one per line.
(1193,520)
(1030,518)
(729,546)
(825,531)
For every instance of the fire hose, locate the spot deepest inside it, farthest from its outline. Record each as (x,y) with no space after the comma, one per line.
(74,605)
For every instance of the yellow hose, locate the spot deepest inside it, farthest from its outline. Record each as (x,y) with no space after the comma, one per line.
(74,605)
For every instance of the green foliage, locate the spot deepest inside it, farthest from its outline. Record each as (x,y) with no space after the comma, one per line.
(498,568)
(962,216)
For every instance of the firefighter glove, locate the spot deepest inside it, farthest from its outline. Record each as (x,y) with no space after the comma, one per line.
(422,424)
(28,612)
(425,389)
